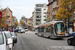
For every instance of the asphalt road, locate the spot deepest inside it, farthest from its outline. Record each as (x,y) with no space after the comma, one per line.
(25,43)
(30,41)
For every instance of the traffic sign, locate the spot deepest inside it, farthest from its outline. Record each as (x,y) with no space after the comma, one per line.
(47,18)
(0,14)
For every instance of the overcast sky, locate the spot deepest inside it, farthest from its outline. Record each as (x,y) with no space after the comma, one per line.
(21,7)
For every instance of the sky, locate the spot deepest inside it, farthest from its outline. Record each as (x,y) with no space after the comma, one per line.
(21,7)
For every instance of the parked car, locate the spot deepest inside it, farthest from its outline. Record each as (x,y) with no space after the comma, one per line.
(16,30)
(2,30)
(66,34)
(26,29)
(21,31)
(9,39)
(10,30)
(3,43)
(14,37)
(71,39)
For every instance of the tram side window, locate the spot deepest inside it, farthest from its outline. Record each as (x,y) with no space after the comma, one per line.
(51,29)
(38,29)
(48,29)
(42,29)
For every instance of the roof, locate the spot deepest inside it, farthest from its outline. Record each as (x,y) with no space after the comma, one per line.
(7,8)
(40,4)
(49,23)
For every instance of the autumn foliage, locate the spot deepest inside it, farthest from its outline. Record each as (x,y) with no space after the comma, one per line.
(3,22)
(22,22)
(66,9)
(16,23)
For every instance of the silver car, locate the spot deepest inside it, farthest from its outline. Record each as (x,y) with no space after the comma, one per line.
(3,42)
(14,37)
(9,39)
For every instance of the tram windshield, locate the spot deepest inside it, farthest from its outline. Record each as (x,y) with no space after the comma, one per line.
(59,28)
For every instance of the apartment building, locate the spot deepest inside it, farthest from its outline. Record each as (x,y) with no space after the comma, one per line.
(24,19)
(30,23)
(53,6)
(39,14)
(8,13)
(14,20)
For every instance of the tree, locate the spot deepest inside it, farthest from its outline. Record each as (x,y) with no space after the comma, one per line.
(2,22)
(22,23)
(62,14)
(66,9)
(16,23)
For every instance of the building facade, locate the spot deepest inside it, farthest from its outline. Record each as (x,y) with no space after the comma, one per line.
(24,19)
(30,23)
(53,6)
(39,14)
(8,13)
(14,20)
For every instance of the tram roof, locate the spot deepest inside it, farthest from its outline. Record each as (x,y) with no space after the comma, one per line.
(49,23)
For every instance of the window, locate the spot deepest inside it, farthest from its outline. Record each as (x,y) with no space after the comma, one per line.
(44,12)
(36,23)
(7,35)
(51,29)
(42,29)
(38,13)
(59,28)
(1,38)
(48,29)
(38,16)
(44,9)
(7,14)
(38,20)
(44,16)
(38,9)
(44,19)
(13,34)
(39,5)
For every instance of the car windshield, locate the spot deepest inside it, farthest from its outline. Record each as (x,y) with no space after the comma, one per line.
(8,35)
(13,34)
(59,27)
(1,38)
(22,30)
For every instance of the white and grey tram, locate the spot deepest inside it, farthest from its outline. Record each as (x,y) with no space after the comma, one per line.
(53,29)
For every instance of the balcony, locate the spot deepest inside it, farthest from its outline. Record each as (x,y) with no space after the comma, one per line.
(38,23)
(38,17)
(38,20)
(55,4)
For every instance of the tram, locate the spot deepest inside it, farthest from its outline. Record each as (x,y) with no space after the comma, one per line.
(53,29)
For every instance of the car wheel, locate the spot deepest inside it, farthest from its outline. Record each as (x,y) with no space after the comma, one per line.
(69,42)
(13,44)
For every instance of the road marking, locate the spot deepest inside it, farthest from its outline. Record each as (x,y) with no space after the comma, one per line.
(39,43)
